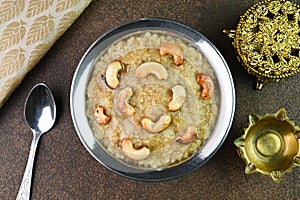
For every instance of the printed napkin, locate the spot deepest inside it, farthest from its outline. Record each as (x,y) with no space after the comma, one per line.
(28,28)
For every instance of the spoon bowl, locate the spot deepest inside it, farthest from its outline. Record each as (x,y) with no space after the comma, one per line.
(40,114)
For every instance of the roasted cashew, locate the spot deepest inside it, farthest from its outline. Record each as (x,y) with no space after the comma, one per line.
(131,152)
(207,85)
(122,102)
(178,99)
(158,126)
(111,74)
(100,115)
(173,50)
(151,68)
(188,136)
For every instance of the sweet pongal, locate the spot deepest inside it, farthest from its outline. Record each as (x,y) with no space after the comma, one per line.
(151,99)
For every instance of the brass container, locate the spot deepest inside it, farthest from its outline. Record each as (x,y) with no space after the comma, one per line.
(270,145)
(267,40)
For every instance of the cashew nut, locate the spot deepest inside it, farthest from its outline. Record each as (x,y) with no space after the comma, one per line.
(151,68)
(100,115)
(173,50)
(122,102)
(158,126)
(131,152)
(188,136)
(111,74)
(178,99)
(207,85)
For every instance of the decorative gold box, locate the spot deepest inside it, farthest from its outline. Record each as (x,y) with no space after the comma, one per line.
(270,145)
(267,40)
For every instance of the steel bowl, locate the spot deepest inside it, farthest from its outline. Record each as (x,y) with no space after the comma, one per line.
(224,85)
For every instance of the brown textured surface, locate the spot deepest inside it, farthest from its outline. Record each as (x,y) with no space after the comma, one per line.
(65,170)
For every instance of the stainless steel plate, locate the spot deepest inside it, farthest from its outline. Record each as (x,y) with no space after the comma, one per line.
(226,102)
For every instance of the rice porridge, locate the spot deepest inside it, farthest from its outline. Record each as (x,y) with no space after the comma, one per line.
(151,99)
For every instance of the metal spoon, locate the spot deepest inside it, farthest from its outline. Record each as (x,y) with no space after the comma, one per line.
(39,113)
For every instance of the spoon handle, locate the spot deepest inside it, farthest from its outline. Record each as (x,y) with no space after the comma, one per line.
(24,190)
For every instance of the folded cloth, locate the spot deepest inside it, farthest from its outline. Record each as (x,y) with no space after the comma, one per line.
(28,28)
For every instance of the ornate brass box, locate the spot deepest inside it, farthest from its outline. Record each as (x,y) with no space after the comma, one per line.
(267,40)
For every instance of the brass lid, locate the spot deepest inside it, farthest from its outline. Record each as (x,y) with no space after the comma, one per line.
(267,40)
(270,145)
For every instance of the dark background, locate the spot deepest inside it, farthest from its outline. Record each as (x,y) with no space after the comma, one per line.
(65,170)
